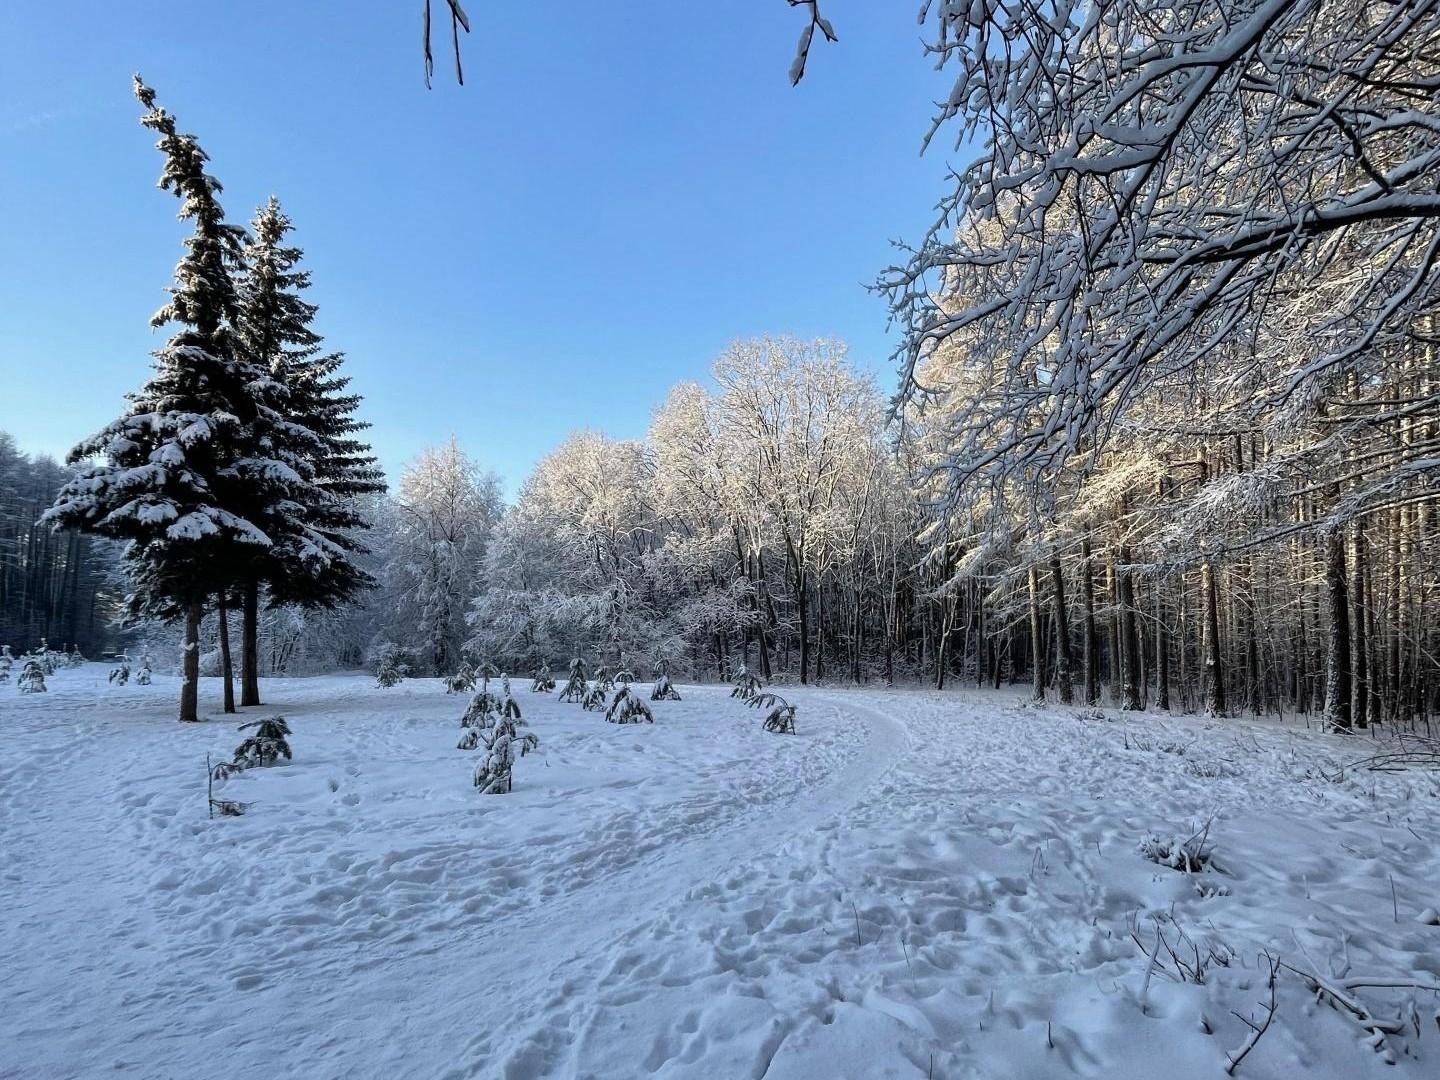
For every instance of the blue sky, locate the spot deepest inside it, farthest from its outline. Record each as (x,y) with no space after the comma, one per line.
(618,191)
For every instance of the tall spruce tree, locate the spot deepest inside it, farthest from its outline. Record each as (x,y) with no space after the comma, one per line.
(178,476)
(312,561)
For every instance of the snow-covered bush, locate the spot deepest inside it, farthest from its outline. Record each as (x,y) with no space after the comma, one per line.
(595,700)
(746,684)
(543,682)
(32,677)
(509,707)
(462,682)
(390,667)
(142,673)
(781,718)
(604,678)
(120,675)
(1193,854)
(629,708)
(6,662)
(575,685)
(494,775)
(48,657)
(74,658)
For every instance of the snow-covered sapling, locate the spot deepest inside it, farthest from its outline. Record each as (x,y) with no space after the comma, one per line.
(479,716)
(32,677)
(509,707)
(223,807)
(543,682)
(120,675)
(462,682)
(575,685)
(664,689)
(142,673)
(264,748)
(390,669)
(781,718)
(494,775)
(604,678)
(49,658)
(74,658)
(629,708)
(595,700)
(746,684)
(6,662)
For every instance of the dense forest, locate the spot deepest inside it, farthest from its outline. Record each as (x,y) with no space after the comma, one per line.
(55,587)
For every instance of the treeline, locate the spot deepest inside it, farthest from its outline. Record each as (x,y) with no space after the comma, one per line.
(55,587)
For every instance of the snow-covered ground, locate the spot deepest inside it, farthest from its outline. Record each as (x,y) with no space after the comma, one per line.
(917,885)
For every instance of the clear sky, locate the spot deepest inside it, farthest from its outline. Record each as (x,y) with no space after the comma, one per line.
(618,190)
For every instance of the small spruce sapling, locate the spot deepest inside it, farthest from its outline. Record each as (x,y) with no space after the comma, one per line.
(49,658)
(604,678)
(480,716)
(6,662)
(74,658)
(264,748)
(494,775)
(120,675)
(664,689)
(390,669)
(462,682)
(629,708)
(142,673)
(781,719)
(509,707)
(575,685)
(544,682)
(746,684)
(32,677)
(595,700)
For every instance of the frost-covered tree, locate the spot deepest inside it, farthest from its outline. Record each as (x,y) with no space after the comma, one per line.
(390,666)
(445,511)
(747,684)
(595,699)
(120,674)
(177,478)
(780,720)
(7,661)
(664,689)
(143,672)
(315,558)
(462,682)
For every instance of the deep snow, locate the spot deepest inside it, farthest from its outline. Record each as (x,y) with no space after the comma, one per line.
(918,884)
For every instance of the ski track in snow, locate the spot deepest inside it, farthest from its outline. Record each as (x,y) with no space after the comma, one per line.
(919,884)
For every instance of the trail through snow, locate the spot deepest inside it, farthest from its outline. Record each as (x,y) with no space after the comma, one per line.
(917,885)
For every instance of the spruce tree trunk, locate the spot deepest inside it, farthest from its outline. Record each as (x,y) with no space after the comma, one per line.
(1112,582)
(1337,676)
(801,598)
(227,670)
(1063,657)
(190,664)
(1360,660)
(1091,644)
(1130,636)
(1210,644)
(1037,646)
(1162,648)
(250,658)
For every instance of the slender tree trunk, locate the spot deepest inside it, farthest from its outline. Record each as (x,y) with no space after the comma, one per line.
(250,658)
(1360,644)
(1091,644)
(1210,645)
(1162,648)
(1130,635)
(190,664)
(1064,659)
(1037,647)
(1337,677)
(227,671)
(1112,584)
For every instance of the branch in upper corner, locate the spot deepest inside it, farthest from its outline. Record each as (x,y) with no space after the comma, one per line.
(807,36)
(458,21)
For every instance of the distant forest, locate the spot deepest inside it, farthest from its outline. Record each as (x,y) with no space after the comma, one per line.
(55,586)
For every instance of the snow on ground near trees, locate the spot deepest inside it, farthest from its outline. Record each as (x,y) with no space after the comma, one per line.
(916,885)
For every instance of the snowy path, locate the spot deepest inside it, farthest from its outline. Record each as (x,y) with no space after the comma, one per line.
(918,885)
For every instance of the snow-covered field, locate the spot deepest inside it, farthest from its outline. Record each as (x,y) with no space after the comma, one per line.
(917,885)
